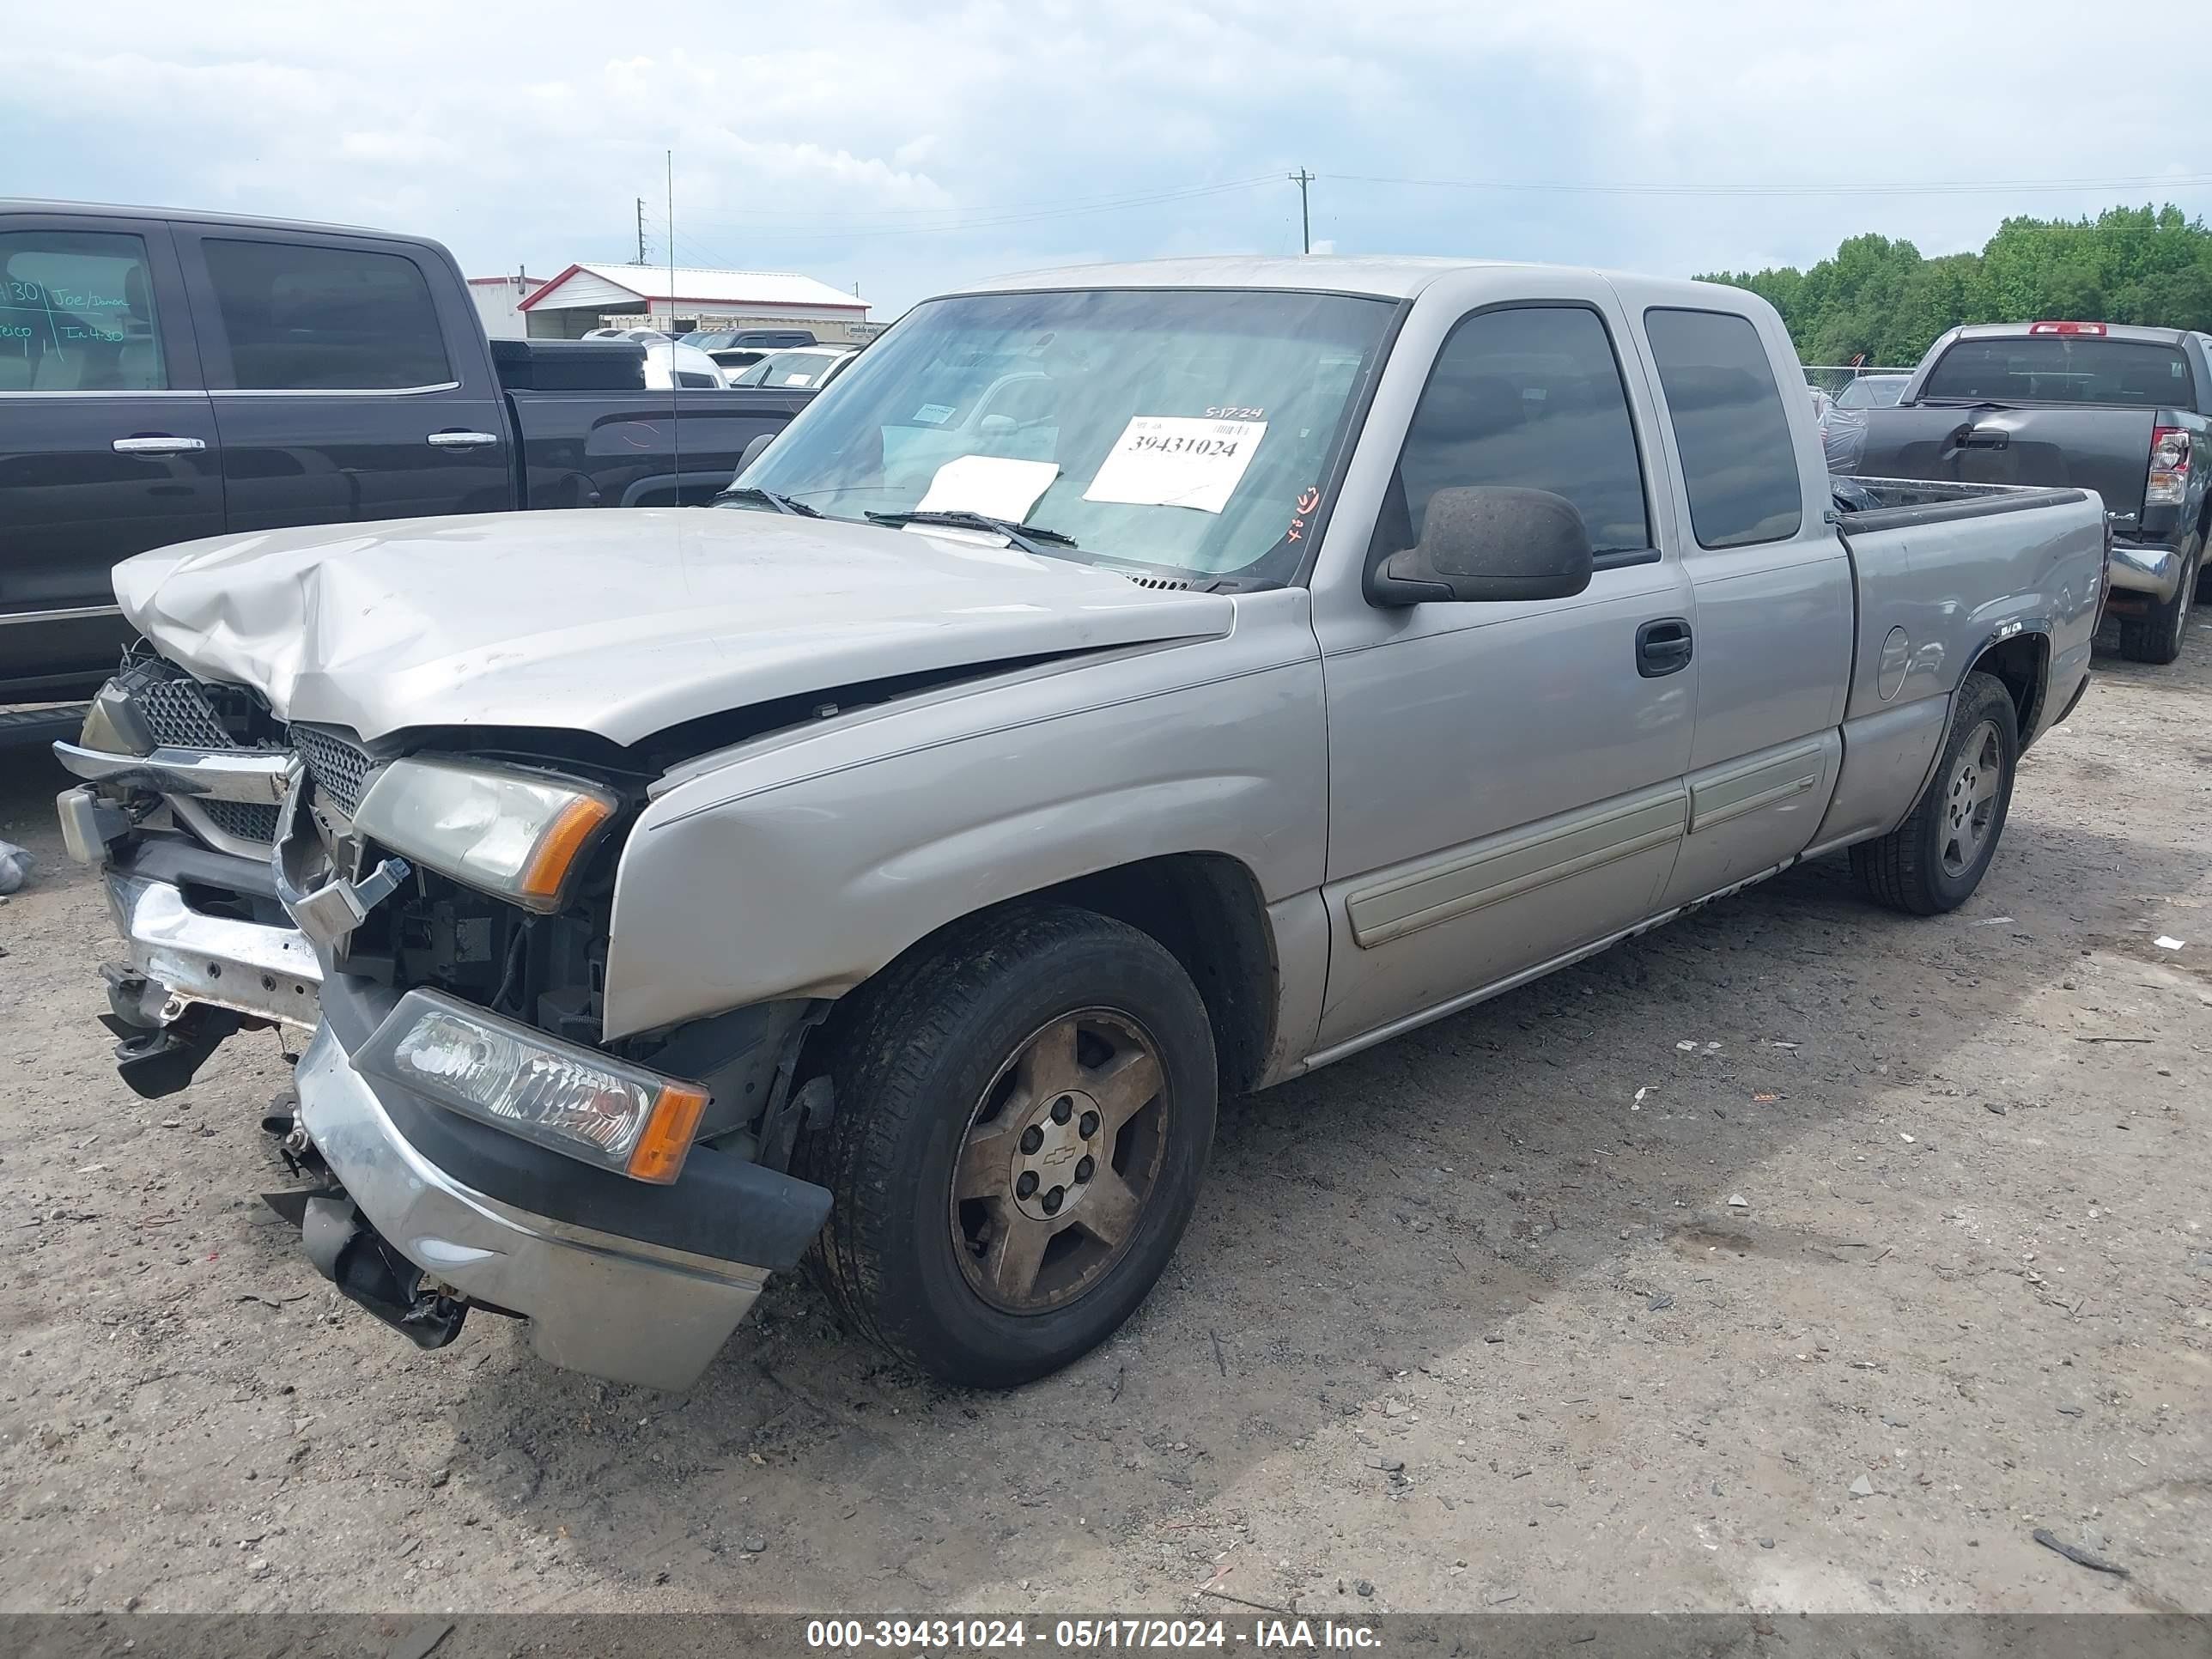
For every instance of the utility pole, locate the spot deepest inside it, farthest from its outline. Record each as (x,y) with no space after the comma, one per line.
(640,230)
(1302,178)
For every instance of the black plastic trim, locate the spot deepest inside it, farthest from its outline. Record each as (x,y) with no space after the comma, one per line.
(2073,701)
(1627,557)
(159,856)
(721,1206)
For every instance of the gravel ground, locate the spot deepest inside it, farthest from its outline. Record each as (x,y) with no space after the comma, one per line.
(1796,1256)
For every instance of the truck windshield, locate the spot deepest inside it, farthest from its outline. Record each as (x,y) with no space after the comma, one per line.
(1189,428)
(2061,369)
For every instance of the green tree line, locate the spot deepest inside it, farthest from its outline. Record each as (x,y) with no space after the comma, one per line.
(1878,297)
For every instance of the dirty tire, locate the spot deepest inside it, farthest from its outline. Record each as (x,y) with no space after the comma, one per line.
(1906,868)
(2157,636)
(911,1062)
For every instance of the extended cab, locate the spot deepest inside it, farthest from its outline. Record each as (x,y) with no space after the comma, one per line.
(2124,411)
(168,375)
(1121,688)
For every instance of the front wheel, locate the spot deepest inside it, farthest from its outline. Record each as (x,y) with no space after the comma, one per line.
(1934,860)
(1022,1118)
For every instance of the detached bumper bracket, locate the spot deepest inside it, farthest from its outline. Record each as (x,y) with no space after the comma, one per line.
(155,1064)
(367,1271)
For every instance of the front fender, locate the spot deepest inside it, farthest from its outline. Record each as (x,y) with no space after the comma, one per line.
(800,868)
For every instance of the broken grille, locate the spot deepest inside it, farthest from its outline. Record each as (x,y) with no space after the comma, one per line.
(180,715)
(240,820)
(338,765)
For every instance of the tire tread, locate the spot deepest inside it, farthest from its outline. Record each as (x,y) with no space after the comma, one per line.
(882,1056)
(1891,869)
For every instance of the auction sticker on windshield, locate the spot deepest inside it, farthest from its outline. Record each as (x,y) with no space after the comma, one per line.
(993,484)
(1177,460)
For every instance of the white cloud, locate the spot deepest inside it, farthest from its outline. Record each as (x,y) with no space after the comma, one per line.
(910,146)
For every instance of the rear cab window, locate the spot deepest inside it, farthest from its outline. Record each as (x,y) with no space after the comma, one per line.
(297,317)
(2062,368)
(1527,396)
(1738,463)
(76,314)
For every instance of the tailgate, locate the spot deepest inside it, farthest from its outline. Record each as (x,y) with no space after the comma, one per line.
(2104,449)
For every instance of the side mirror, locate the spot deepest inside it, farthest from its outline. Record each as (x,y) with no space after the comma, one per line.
(751,452)
(1487,544)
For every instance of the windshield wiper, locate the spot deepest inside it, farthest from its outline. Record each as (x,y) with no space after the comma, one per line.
(1027,536)
(781,503)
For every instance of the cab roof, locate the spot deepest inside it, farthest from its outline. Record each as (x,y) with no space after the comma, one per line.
(1379,276)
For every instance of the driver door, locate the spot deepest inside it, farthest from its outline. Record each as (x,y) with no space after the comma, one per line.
(1506,779)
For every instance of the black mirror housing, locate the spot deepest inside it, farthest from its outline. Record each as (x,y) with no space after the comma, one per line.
(751,452)
(1488,544)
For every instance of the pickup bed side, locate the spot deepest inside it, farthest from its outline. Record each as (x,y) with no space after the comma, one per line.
(2023,608)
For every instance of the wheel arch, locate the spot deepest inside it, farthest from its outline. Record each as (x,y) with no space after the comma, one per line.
(2021,662)
(1206,909)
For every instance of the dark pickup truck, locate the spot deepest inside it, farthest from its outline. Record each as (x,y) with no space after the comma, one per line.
(166,376)
(2100,406)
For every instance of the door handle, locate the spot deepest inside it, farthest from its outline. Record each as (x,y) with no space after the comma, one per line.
(461,439)
(1978,437)
(1663,647)
(160,444)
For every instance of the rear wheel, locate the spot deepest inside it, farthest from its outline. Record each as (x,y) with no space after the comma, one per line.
(2156,636)
(1934,860)
(1022,1119)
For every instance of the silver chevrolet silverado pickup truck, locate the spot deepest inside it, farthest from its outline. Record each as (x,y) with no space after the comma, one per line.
(1122,687)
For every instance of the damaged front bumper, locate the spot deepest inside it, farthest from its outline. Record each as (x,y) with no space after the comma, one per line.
(187,959)
(625,1279)
(614,1307)
(422,1213)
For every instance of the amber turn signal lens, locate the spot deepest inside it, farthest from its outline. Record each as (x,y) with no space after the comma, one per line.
(660,1151)
(558,847)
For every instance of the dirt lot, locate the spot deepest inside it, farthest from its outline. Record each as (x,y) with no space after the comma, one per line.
(1888,1267)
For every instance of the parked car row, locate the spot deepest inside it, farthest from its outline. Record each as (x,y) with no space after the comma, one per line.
(737,357)
(1126,686)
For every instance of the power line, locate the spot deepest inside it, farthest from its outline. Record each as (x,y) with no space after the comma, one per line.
(1302,178)
(1056,205)
(788,230)
(1945,187)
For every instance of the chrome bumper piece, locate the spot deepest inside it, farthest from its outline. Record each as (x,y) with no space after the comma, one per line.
(256,777)
(247,967)
(2152,571)
(616,1307)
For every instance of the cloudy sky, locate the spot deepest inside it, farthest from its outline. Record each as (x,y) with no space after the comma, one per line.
(910,147)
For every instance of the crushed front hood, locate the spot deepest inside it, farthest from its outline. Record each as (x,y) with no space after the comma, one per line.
(622,622)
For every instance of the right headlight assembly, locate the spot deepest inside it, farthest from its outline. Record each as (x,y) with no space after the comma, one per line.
(519,836)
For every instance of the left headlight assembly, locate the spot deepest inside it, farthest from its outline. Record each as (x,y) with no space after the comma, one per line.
(521,835)
(572,1100)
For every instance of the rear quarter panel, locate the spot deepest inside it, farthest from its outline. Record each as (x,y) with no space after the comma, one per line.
(1932,598)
